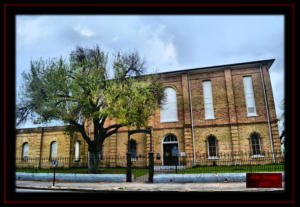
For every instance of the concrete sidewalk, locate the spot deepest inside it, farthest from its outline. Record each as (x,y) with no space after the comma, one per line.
(142,187)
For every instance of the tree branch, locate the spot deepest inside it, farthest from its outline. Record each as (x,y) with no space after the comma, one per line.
(81,130)
(116,126)
(113,126)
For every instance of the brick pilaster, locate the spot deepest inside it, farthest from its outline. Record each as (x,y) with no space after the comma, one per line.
(188,142)
(186,100)
(232,114)
(276,138)
(188,146)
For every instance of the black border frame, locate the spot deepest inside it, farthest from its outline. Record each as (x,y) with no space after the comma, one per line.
(10,10)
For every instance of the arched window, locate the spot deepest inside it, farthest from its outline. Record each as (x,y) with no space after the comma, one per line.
(255,144)
(25,149)
(53,150)
(170,138)
(168,111)
(212,147)
(132,149)
(77,144)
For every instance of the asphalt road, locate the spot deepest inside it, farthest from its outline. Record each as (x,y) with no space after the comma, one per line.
(100,186)
(21,190)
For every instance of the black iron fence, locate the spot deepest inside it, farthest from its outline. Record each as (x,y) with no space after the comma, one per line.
(139,165)
(224,163)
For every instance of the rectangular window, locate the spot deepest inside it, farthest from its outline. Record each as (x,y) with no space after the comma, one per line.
(249,96)
(77,145)
(208,100)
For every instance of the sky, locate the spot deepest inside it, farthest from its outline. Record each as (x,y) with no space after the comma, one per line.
(166,42)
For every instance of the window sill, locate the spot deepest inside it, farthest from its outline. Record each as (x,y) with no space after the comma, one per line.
(76,160)
(210,119)
(174,121)
(213,158)
(257,156)
(252,115)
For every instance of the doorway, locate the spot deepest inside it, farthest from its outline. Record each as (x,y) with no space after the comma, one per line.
(170,150)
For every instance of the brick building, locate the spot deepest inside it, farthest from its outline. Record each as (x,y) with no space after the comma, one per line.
(227,109)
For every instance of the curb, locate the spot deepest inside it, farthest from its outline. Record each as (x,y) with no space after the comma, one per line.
(202,178)
(72,177)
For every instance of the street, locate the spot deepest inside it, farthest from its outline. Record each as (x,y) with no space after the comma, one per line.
(21,190)
(151,187)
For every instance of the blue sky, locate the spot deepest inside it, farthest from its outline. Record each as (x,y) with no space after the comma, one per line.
(166,42)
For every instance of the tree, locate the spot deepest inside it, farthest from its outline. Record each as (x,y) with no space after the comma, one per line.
(80,90)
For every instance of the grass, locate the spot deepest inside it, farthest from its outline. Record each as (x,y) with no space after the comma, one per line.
(233,169)
(135,171)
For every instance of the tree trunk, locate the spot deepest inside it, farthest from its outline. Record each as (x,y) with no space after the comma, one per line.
(93,160)
(95,150)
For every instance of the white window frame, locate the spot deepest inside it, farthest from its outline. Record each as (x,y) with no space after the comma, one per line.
(168,142)
(165,112)
(260,148)
(249,96)
(133,159)
(212,157)
(208,100)
(77,151)
(51,150)
(25,153)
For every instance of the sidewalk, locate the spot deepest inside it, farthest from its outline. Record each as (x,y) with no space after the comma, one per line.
(142,187)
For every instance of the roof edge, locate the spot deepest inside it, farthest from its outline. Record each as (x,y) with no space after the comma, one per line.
(241,65)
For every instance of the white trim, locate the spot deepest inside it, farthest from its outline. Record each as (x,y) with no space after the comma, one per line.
(212,157)
(210,118)
(25,151)
(259,143)
(53,154)
(257,156)
(166,121)
(249,95)
(216,146)
(170,142)
(252,115)
(208,101)
(77,151)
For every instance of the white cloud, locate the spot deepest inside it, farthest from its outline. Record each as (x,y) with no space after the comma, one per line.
(115,38)
(158,47)
(83,31)
(31,30)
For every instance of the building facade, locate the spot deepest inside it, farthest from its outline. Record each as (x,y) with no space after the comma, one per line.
(227,109)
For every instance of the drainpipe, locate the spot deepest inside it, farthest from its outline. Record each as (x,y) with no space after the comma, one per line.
(268,117)
(192,120)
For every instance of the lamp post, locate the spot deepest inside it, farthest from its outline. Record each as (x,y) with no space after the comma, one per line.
(151,160)
(128,171)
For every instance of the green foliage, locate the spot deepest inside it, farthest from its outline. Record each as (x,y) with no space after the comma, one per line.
(79,89)
(136,102)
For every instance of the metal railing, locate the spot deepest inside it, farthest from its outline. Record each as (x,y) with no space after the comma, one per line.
(222,163)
